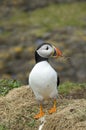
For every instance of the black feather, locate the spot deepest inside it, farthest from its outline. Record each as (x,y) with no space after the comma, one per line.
(38,58)
(43,44)
(58,81)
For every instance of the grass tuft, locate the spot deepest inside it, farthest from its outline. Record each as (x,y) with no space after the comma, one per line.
(2,127)
(8,84)
(68,87)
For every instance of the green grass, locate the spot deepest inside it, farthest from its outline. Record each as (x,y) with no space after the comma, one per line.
(8,84)
(68,87)
(49,18)
(2,127)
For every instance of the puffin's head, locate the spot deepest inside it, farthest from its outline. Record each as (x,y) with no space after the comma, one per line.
(45,51)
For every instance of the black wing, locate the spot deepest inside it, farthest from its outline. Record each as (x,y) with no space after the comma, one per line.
(58,81)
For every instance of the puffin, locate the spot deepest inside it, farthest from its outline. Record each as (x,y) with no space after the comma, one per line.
(43,79)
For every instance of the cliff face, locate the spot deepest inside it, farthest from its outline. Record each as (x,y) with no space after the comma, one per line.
(63,25)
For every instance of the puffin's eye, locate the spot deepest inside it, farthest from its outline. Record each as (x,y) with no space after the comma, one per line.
(47,48)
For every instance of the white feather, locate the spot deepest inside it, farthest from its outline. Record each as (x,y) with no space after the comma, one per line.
(43,81)
(45,53)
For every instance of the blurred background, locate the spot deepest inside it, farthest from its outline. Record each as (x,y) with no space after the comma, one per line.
(25,24)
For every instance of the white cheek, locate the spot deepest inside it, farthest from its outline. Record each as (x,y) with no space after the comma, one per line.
(44,53)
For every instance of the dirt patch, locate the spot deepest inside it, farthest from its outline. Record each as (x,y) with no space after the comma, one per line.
(19,106)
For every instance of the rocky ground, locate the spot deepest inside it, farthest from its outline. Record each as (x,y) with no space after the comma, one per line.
(17,60)
(21,33)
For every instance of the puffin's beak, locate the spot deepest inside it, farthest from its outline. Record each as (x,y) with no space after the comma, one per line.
(57,53)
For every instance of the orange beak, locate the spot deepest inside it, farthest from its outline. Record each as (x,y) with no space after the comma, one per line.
(57,52)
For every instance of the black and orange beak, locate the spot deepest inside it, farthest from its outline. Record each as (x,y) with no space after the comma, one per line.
(57,53)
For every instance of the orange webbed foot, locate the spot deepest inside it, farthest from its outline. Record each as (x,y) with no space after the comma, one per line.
(40,114)
(53,109)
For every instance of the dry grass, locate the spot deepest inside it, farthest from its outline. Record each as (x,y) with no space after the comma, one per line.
(69,117)
(18,107)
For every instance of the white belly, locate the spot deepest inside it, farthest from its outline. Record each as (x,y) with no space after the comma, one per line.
(43,81)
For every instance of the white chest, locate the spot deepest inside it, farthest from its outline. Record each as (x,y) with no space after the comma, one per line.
(43,79)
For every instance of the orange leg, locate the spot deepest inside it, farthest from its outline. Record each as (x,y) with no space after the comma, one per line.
(40,114)
(53,109)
